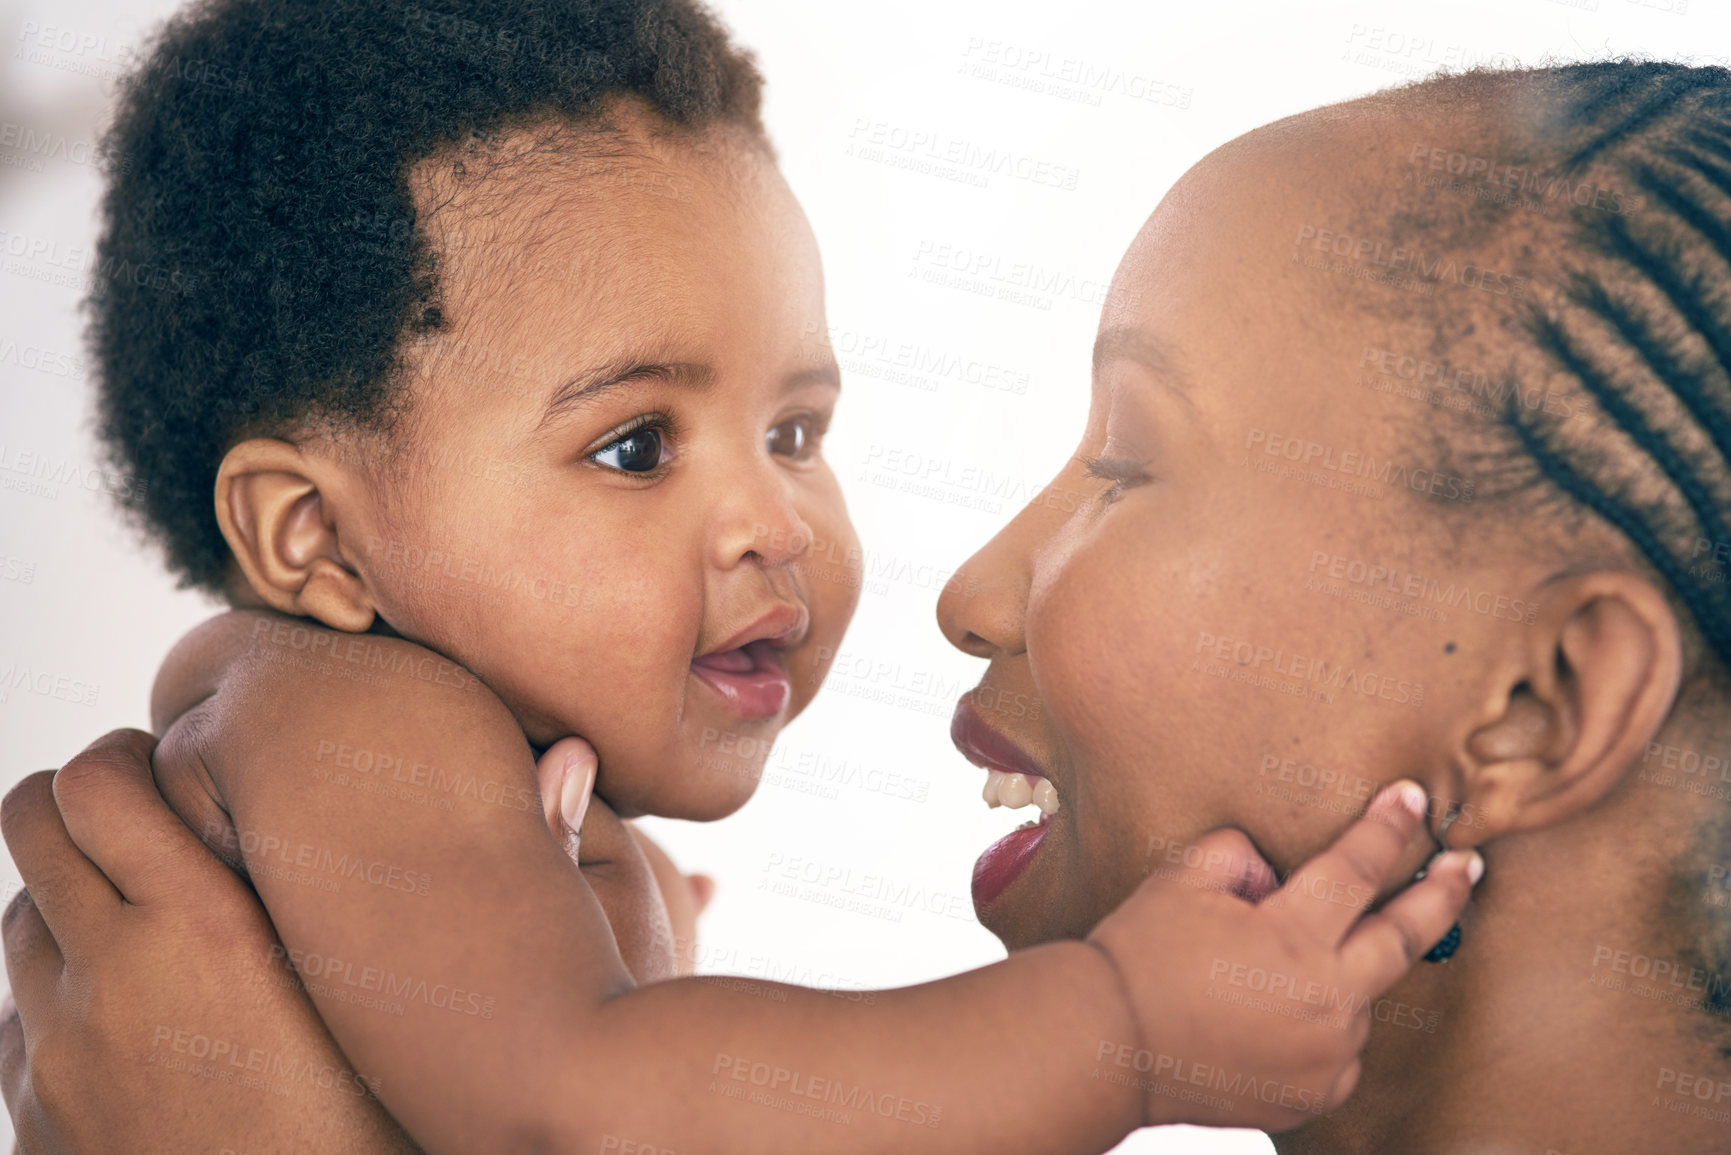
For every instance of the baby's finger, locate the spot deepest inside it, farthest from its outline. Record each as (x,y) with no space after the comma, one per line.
(1384,946)
(1327,894)
(1226,860)
(566,776)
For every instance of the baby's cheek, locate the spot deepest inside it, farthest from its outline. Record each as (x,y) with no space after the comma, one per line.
(831,578)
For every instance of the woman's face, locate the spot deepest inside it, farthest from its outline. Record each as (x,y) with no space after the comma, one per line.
(1239,601)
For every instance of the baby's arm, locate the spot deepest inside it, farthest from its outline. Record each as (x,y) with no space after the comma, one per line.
(463,963)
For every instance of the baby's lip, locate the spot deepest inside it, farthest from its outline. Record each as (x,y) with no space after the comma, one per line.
(784,626)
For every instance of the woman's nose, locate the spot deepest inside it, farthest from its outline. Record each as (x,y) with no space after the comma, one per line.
(983,608)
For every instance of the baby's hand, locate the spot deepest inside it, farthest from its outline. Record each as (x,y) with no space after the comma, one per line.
(1253,1006)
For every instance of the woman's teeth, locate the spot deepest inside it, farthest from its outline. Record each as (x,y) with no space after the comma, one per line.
(1016,791)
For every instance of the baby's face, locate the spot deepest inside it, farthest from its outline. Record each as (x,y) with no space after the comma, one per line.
(615,488)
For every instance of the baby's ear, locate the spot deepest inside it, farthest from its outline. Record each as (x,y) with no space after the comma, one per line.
(278,509)
(1574,702)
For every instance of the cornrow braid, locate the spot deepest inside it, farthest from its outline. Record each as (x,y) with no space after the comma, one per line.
(1644,325)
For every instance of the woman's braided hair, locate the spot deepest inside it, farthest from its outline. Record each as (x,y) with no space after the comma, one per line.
(1641,330)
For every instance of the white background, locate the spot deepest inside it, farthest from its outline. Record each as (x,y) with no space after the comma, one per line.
(99,608)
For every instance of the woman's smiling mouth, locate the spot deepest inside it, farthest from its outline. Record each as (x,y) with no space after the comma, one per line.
(1013,779)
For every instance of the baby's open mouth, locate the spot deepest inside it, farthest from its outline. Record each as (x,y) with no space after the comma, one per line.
(750,680)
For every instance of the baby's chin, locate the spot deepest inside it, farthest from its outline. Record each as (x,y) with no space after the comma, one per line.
(696,789)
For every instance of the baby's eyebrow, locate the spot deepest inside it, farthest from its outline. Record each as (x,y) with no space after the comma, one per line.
(588,387)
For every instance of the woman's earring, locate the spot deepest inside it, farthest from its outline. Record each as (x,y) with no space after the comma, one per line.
(1452,940)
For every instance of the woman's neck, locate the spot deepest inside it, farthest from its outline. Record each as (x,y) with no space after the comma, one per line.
(1563,1024)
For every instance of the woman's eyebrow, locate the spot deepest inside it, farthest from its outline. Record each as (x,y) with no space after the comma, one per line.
(1141,347)
(592,385)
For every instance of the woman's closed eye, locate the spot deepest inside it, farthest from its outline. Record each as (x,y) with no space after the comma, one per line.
(1124,472)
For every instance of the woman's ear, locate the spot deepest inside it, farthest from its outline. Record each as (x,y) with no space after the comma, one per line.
(275,506)
(1587,686)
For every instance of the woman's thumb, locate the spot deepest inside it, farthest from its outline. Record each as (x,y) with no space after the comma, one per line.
(566,773)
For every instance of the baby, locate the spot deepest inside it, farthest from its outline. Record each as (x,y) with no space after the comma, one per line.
(495,352)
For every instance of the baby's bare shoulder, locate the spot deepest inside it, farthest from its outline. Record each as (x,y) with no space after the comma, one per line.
(253,680)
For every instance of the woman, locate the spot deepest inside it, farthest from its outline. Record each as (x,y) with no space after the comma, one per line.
(1407,457)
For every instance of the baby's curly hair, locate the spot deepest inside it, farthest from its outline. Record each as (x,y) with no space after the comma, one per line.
(261,262)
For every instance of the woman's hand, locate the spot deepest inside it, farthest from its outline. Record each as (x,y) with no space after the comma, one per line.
(154,1009)
(651,906)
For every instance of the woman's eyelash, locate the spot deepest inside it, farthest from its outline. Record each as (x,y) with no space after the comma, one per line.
(1123,472)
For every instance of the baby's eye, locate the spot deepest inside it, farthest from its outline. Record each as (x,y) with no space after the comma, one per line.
(796,437)
(640,451)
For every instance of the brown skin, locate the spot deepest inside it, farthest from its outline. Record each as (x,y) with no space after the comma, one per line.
(1098,605)
(724,276)
(186,914)
(301,520)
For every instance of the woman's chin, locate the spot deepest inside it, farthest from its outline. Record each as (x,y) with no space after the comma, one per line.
(1022,914)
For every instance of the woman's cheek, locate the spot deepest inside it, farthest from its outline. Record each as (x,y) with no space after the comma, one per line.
(1100,642)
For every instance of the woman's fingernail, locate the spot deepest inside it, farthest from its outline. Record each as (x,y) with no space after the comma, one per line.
(579,781)
(7,1006)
